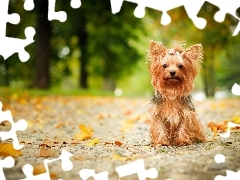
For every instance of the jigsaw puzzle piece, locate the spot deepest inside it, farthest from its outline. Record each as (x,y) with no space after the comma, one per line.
(65,158)
(5,17)
(28,5)
(226,7)
(116,5)
(53,15)
(159,5)
(28,171)
(9,46)
(137,167)
(75,4)
(193,10)
(230,175)
(7,162)
(20,125)
(66,166)
(87,173)
(236,89)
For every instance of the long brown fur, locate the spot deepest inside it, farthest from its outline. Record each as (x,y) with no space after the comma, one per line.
(174,120)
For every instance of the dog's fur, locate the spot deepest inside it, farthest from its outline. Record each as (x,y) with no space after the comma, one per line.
(174,120)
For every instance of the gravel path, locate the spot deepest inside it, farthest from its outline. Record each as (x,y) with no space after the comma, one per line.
(121,128)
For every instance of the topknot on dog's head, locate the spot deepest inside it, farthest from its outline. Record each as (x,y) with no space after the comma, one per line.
(157,51)
(179,46)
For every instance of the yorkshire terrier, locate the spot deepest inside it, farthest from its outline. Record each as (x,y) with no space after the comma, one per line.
(174,120)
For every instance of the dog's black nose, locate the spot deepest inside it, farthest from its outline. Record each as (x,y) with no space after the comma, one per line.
(172,73)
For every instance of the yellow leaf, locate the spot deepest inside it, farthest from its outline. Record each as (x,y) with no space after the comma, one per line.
(128,124)
(92,142)
(118,157)
(85,132)
(214,129)
(236,119)
(40,169)
(77,158)
(6,149)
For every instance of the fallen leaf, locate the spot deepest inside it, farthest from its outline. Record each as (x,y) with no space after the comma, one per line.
(236,119)
(118,143)
(128,112)
(100,116)
(60,124)
(77,158)
(45,149)
(85,132)
(223,126)
(106,143)
(6,149)
(45,152)
(92,142)
(218,127)
(118,157)
(40,169)
(130,122)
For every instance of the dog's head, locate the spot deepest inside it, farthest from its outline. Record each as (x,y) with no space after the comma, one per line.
(173,70)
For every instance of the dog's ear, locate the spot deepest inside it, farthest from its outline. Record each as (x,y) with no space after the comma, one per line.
(193,53)
(156,51)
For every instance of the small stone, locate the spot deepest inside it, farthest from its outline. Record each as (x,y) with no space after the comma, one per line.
(145,142)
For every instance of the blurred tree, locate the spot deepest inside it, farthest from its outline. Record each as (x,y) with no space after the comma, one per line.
(228,70)
(43,47)
(215,39)
(105,40)
(12,70)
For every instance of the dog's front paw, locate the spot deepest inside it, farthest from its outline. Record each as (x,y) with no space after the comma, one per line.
(160,141)
(182,141)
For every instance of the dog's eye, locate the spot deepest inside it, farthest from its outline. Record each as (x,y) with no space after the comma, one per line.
(180,66)
(164,66)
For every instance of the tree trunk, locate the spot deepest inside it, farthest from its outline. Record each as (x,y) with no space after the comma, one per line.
(6,75)
(83,45)
(43,46)
(208,73)
(109,84)
(211,88)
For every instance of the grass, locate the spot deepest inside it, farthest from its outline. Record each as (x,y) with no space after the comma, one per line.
(6,92)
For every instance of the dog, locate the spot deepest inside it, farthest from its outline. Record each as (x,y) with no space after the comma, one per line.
(173,117)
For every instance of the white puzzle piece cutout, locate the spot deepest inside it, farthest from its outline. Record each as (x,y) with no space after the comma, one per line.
(9,45)
(66,166)
(20,125)
(192,9)
(137,167)
(87,173)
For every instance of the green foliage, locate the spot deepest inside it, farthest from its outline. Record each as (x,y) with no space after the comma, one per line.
(117,44)
(228,70)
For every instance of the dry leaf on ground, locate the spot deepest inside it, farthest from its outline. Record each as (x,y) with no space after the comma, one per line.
(118,143)
(6,149)
(40,169)
(118,157)
(45,149)
(223,126)
(85,132)
(236,119)
(92,142)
